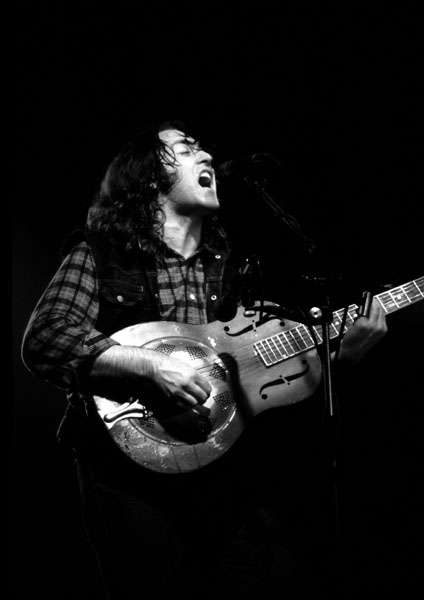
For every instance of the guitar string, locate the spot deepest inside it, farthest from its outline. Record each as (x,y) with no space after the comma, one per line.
(251,360)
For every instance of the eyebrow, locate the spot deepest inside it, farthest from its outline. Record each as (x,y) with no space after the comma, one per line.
(185,140)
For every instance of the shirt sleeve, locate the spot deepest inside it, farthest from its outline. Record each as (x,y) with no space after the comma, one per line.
(61,339)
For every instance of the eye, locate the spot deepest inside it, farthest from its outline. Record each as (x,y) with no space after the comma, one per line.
(182,149)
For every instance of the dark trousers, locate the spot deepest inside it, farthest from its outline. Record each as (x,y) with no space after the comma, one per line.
(195,536)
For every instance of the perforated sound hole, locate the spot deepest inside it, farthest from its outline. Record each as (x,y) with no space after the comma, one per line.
(218,373)
(223,401)
(195,352)
(165,348)
(147,421)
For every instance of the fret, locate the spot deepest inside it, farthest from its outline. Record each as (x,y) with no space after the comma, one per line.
(263,353)
(318,334)
(405,297)
(305,332)
(288,342)
(349,316)
(386,302)
(419,283)
(399,297)
(271,353)
(295,341)
(283,341)
(283,348)
(337,320)
(418,293)
(395,299)
(275,356)
(335,330)
(337,317)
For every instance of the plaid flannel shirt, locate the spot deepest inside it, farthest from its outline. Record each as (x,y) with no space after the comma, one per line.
(61,336)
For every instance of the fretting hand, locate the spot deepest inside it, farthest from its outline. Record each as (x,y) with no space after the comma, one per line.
(365,333)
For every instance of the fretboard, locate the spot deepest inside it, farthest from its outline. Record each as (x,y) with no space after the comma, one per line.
(286,344)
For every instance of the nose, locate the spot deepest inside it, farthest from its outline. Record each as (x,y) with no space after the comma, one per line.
(205,157)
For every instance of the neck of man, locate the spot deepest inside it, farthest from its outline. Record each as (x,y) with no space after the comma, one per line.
(183,234)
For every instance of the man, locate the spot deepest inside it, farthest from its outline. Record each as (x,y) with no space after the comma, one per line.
(153,250)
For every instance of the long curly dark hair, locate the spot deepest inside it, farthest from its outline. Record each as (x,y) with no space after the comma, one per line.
(126,205)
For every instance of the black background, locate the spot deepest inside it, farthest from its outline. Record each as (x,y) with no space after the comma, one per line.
(336,95)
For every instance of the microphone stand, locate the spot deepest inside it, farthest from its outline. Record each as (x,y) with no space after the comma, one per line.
(318,316)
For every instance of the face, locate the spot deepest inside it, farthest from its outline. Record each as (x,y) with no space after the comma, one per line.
(194,192)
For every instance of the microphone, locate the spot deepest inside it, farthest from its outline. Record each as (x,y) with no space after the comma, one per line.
(244,166)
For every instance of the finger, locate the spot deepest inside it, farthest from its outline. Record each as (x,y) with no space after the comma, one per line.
(382,323)
(377,320)
(202,410)
(374,311)
(203,394)
(194,395)
(193,401)
(367,300)
(204,385)
(186,401)
(378,314)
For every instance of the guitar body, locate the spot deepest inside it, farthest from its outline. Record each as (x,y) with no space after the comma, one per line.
(253,363)
(176,441)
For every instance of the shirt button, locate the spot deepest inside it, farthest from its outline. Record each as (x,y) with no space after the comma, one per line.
(120,298)
(217,256)
(213,297)
(192,297)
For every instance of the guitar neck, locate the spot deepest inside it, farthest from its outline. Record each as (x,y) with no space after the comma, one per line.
(299,339)
(390,301)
